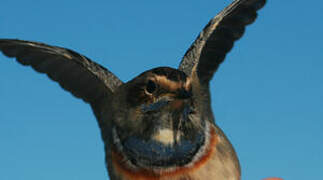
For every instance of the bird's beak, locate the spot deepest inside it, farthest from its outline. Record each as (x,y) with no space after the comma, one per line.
(181,110)
(180,99)
(183,94)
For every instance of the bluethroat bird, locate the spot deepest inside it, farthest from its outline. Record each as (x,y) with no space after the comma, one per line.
(160,124)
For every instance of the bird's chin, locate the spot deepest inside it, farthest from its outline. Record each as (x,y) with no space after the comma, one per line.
(140,153)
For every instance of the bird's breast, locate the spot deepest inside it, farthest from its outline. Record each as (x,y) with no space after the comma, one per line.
(207,163)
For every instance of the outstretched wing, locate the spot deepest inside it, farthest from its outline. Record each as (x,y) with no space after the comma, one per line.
(210,48)
(75,73)
(217,38)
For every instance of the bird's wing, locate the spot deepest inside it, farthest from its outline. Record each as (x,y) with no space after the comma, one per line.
(75,73)
(217,38)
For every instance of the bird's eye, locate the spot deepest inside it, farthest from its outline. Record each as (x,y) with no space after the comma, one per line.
(151,87)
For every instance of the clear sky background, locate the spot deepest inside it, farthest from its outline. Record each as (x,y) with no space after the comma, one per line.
(267,96)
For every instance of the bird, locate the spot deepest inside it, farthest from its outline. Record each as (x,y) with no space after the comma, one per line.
(160,124)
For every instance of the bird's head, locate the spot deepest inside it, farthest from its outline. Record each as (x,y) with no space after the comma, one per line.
(157,122)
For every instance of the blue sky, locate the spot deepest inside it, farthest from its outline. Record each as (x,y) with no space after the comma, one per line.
(267,95)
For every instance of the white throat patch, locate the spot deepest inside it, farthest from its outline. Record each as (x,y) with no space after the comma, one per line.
(165,136)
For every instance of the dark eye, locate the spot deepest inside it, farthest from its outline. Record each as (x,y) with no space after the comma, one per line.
(151,87)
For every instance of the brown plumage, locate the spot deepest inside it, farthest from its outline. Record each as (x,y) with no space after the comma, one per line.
(159,125)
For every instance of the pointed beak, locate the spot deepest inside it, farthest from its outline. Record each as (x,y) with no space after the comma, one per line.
(180,99)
